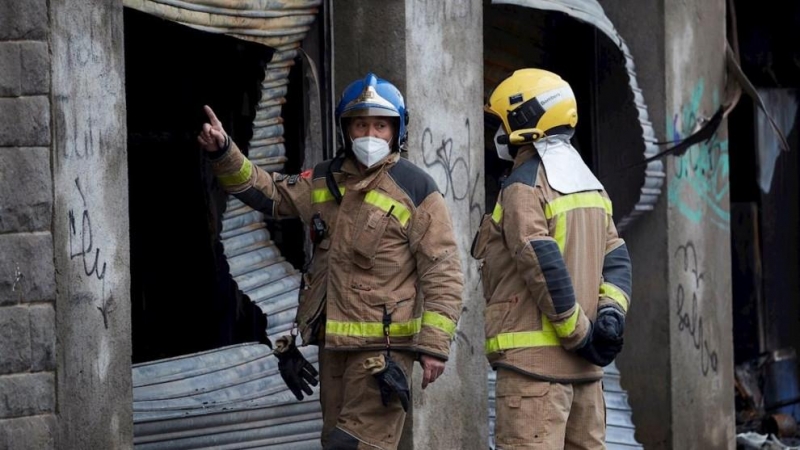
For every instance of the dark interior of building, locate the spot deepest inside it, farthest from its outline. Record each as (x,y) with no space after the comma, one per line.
(765,212)
(183,297)
(607,135)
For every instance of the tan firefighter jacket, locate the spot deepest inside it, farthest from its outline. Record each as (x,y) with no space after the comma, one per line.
(549,262)
(389,251)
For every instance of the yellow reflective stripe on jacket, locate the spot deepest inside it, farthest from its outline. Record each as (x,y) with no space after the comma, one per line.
(239,177)
(323,195)
(568,326)
(575,201)
(614,293)
(560,234)
(386,203)
(497,214)
(373,329)
(436,320)
(521,339)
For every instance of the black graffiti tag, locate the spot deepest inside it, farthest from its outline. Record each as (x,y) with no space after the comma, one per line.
(689,318)
(459,183)
(83,238)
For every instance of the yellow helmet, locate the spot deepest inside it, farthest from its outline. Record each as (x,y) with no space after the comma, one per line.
(533,103)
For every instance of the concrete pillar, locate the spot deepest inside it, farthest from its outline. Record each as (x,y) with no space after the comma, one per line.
(433,51)
(90,225)
(678,363)
(701,344)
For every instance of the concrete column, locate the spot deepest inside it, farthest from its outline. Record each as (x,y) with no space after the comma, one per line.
(27,276)
(90,225)
(701,344)
(433,51)
(678,363)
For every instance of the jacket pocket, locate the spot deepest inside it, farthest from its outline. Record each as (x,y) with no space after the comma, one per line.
(495,316)
(399,305)
(366,242)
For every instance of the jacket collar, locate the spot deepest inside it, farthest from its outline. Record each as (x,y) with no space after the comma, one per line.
(366,178)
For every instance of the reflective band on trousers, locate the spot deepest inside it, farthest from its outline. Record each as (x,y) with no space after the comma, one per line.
(238,177)
(614,293)
(397,329)
(323,195)
(386,203)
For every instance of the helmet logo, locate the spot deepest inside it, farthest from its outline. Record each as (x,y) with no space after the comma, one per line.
(367,94)
(514,99)
(549,99)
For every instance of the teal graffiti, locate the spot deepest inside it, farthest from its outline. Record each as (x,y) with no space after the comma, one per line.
(699,187)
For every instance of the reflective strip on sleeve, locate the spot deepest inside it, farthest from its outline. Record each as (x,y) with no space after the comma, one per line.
(614,293)
(567,327)
(436,320)
(522,339)
(575,201)
(323,195)
(373,329)
(497,214)
(239,177)
(385,203)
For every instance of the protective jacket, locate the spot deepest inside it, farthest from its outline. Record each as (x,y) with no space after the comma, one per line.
(549,261)
(388,257)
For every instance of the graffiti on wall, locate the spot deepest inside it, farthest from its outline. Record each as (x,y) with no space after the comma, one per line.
(449,165)
(84,251)
(698,188)
(689,293)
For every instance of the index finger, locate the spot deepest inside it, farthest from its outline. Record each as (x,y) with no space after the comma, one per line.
(211,116)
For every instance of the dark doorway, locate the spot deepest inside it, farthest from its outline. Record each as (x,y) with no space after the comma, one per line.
(183,297)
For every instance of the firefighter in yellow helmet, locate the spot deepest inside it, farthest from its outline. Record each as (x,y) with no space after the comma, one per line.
(556,276)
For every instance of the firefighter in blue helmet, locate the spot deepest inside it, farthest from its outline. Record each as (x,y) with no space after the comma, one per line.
(384,285)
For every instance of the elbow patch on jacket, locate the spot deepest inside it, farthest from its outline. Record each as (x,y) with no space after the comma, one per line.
(617,269)
(257,200)
(556,276)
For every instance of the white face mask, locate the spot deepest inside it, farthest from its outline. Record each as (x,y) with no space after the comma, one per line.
(370,150)
(502,149)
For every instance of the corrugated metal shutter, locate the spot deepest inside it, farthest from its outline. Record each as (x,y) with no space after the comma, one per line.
(233,397)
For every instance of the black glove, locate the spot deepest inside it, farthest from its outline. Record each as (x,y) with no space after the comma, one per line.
(604,340)
(391,379)
(295,370)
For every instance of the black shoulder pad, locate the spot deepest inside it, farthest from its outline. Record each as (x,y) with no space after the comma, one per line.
(525,174)
(322,168)
(417,184)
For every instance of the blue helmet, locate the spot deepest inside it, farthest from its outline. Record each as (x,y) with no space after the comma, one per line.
(373,96)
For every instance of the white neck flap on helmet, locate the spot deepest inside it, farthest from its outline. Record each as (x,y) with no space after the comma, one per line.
(565,169)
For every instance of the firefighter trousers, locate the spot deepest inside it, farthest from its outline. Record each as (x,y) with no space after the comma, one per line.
(353,415)
(535,414)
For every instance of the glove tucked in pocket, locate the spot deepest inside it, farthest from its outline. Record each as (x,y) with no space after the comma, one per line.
(391,378)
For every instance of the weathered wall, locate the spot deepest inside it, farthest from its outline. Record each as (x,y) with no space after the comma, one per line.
(90,225)
(701,346)
(369,36)
(444,73)
(27,277)
(645,361)
(433,52)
